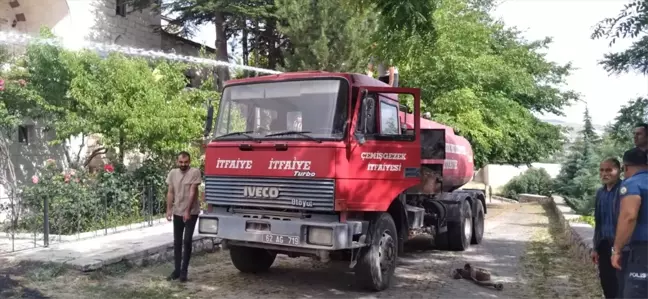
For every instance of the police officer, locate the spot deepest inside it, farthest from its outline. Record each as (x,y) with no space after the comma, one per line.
(632,226)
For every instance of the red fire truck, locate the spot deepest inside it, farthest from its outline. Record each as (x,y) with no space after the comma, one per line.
(334,166)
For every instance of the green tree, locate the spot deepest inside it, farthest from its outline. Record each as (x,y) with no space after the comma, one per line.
(578,178)
(631,22)
(483,80)
(132,105)
(229,17)
(630,114)
(399,15)
(588,134)
(325,35)
(17,101)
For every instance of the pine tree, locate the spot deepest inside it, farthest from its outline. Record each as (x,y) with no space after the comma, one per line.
(578,178)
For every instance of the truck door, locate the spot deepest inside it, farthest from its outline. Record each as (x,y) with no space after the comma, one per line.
(384,142)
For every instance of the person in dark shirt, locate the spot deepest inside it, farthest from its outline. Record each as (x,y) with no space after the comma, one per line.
(641,136)
(605,216)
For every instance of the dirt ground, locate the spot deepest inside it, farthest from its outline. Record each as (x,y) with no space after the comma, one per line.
(523,247)
(552,268)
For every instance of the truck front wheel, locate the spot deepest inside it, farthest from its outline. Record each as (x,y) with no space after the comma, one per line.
(251,260)
(377,262)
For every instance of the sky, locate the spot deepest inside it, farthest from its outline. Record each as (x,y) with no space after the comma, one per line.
(570,24)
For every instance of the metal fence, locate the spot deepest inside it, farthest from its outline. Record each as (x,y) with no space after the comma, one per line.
(69,217)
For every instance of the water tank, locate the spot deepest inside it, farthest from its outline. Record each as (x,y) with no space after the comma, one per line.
(458,167)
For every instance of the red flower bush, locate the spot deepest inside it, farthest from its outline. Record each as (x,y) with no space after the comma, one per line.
(109,168)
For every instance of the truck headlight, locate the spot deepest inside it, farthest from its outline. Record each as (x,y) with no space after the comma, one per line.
(208,225)
(320,236)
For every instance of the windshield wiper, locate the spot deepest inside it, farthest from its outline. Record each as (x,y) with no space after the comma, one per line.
(300,133)
(240,134)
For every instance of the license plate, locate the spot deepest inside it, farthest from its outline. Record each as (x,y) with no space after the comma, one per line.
(279,239)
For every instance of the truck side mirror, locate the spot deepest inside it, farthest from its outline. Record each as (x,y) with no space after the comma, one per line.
(209,120)
(362,125)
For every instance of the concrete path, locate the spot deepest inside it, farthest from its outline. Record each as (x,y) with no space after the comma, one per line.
(94,253)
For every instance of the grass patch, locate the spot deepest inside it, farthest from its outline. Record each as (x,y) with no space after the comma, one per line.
(585,219)
(46,272)
(151,289)
(553,270)
(114,270)
(118,281)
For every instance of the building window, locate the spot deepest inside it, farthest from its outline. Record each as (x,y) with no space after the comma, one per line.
(23,134)
(120,8)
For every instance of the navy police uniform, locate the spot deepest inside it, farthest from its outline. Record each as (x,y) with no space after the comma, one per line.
(635,267)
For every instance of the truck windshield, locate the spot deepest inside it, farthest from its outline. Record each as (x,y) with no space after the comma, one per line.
(314,109)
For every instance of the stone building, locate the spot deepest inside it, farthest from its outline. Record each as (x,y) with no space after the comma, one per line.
(104,21)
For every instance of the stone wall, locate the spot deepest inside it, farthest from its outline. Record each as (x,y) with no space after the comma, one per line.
(533,198)
(497,175)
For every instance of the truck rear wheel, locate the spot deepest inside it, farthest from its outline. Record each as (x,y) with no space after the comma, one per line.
(460,233)
(377,262)
(250,259)
(478,224)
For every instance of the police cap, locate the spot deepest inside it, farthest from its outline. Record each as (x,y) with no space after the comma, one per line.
(635,156)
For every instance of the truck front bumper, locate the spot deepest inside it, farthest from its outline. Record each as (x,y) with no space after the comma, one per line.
(294,233)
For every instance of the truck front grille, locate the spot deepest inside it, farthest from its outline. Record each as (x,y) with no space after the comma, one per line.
(275,193)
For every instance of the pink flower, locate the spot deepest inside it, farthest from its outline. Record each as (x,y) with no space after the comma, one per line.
(35,179)
(109,168)
(67,177)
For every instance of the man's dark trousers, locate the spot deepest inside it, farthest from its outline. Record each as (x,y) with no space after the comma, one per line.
(607,274)
(180,228)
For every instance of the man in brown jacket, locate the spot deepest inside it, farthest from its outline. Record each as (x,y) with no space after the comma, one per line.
(183,208)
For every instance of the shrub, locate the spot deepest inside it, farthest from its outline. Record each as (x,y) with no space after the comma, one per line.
(586,219)
(79,201)
(532,181)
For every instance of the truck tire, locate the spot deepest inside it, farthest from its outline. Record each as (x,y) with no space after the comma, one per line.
(478,224)
(460,233)
(250,259)
(377,262)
